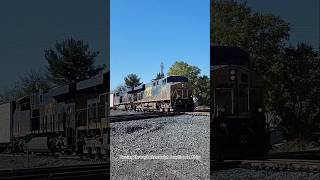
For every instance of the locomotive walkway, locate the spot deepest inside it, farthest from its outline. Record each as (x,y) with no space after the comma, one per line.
(95,171)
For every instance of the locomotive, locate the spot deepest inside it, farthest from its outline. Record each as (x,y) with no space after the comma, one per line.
(71,118)
(172,93)
(238,125)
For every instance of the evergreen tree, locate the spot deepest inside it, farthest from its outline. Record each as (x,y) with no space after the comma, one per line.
(71,61)
(159,76)
(132,80)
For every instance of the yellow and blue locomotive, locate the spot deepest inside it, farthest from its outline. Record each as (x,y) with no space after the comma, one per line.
(172,93)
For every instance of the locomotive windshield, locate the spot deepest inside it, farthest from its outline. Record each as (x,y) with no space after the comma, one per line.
(177,79)
(225,55)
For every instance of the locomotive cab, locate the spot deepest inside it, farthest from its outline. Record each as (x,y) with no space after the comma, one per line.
(181,93)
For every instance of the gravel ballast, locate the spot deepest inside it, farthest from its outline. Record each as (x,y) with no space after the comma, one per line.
(183,135)
(244,174)
(179,135)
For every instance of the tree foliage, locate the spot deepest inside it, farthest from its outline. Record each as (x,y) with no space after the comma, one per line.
(199,84)
(30,82)
(120,88)
(132,80)
(180,68)
(295,93)
(34,81)
(262,35)
(10,94)
(71,61)
(159,76)
(290,74)
(202,90)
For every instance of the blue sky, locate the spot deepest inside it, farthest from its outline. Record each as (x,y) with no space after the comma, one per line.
(29,27)
(303,17)
(145,33)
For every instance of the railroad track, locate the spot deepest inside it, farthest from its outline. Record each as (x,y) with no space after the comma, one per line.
(216,165)
(307,161)
(306,155)
(95,171)
(198,113)
(282,165)
(269,164)
(147,115)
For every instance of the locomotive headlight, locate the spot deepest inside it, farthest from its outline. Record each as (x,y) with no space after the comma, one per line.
(233,74)
(259,109)
(222,109)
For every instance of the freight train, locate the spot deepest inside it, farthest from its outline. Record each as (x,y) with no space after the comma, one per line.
(172,93)
(71,118)
(238,126)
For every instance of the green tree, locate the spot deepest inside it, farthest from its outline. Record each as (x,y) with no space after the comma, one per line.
(202,90)
(120,88)
(291,75)
(180,68)
(200,85)
(71,61)
(159,76)
(34,81)
(295,95)
(262,35)
(132,80)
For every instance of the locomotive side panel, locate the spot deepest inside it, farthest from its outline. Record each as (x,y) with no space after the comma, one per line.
(5,123)
(165,93)
(156,92)
(21,116)
(157,95)
(111,99)
(93,113)
(21,123)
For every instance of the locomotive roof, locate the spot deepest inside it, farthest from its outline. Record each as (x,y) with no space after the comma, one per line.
(212,68)
(65,89)
(174,76)
(169,79)
(228,55)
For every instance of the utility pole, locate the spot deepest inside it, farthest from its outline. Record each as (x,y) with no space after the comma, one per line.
(161,70)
